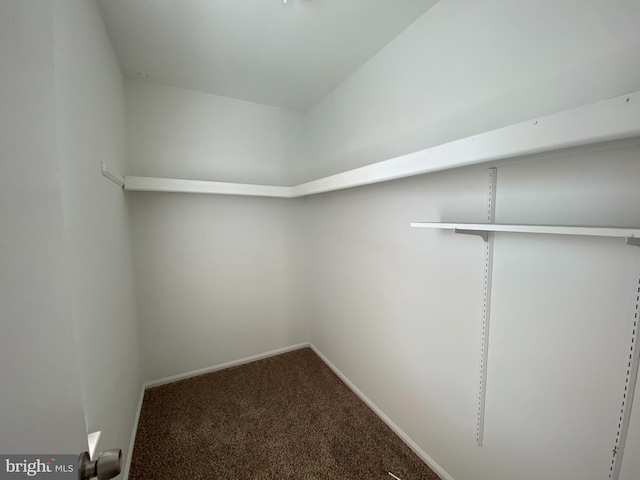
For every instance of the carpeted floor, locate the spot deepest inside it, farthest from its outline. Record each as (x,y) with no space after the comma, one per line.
(284,417)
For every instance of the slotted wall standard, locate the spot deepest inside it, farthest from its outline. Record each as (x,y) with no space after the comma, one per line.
(486,232)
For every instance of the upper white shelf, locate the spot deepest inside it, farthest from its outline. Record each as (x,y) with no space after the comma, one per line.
(149,184)
(544,229)
(617,118)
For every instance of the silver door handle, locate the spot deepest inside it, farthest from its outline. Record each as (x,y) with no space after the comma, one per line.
(106,466)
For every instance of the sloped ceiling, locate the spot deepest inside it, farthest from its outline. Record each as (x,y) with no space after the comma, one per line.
(254,50)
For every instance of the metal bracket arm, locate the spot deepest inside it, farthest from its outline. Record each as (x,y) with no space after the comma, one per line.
(635,241)
(480,233)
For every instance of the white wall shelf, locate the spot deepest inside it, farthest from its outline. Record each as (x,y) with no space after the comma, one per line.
(628,233)
(150,184)
(613,119)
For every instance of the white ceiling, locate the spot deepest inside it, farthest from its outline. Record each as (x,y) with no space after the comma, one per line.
(254,49)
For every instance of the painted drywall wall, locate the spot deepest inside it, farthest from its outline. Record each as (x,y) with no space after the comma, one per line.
(631,463)
(461,69)
(401,320)
(41,408)
(399,310)
(176,133)
(214,280)
(217,278)
(90,121)
(589,306)
(467,67)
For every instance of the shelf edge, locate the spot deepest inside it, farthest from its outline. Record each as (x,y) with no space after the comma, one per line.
(618,232)
(152,184)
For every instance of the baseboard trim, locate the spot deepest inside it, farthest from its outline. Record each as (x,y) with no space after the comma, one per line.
(441,472)
(222,366)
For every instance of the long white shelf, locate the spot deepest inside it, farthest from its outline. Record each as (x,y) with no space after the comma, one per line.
(608,120)
(613,119)
(543,229)
(150,184)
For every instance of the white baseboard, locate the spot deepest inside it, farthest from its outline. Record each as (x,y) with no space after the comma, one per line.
(405,438)
(222,366)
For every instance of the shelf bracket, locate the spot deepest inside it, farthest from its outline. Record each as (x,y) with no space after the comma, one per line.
(115,178)
(635,241)
(480,233)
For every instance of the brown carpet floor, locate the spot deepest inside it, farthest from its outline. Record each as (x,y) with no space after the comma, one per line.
(284,417)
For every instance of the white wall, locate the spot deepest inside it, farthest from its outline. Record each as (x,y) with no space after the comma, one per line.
(215,276)
(398,310)
(41,408)
(215,280)
(178,133)
(467,67)
(90,121)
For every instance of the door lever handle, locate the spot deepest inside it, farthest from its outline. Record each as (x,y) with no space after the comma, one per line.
(106,466)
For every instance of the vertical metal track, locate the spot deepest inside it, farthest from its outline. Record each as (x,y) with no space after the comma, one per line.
(627,395)
(486,306)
